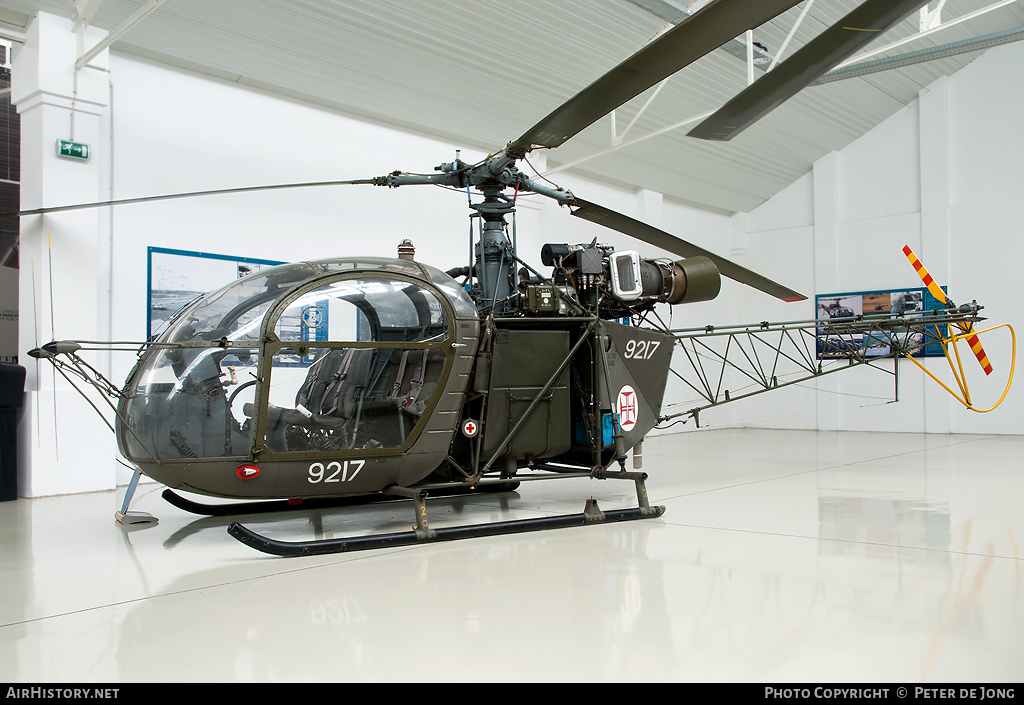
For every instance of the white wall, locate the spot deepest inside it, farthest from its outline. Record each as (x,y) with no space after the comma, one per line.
(943,176)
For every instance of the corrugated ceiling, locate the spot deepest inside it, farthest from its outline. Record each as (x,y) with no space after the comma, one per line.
(481,72)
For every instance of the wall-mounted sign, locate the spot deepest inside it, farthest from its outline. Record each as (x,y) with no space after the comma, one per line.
(73,150)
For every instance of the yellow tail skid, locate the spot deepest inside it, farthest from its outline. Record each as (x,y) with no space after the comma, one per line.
(968,333)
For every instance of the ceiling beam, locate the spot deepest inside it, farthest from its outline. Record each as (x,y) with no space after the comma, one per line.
(11,32)
(916,57)
(623,145)
(945,25)
(792,31)
(670,12)
(85,10)
(117,33)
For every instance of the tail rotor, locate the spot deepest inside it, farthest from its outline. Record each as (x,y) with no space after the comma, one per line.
(966,328)
(968,333)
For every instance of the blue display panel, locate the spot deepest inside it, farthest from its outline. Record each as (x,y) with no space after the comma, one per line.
(911,303)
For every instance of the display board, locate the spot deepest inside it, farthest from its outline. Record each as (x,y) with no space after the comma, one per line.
(913,302)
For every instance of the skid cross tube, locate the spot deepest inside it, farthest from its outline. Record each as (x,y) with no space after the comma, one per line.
(638,479)
(421,527)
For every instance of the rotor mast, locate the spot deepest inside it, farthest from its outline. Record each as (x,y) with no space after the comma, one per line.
(494,254)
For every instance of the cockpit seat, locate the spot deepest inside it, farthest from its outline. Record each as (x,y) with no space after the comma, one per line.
(333,381)
(363,397)
(280,418)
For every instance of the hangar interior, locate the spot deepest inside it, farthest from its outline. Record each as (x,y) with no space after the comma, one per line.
(823,532)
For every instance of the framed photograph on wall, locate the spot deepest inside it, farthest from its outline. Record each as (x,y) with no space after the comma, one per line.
(177,277)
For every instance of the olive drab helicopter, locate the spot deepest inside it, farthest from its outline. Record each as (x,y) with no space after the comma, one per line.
(308,383)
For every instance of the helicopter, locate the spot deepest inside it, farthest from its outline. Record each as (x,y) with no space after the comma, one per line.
(835,310)
(315,382)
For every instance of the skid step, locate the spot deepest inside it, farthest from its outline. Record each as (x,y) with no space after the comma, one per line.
(591,515)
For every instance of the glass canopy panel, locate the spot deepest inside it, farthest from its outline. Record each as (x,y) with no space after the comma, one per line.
(198,402)
(180,404)
(349,398)
(186,402)
(364,310)
(236,311)
(463,305)
(362,367)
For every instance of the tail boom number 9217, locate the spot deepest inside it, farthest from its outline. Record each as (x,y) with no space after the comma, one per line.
(641,349)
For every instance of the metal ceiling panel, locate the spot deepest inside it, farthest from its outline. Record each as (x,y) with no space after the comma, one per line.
(481,72)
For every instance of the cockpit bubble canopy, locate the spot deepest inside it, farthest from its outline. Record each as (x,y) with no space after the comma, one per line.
(382,322)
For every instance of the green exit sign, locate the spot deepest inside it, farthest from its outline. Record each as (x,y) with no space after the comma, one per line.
(72,150)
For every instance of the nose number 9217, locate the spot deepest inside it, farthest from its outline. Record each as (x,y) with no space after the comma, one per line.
(335,471)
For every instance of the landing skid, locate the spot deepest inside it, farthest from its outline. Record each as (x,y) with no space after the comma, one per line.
(409,538)
(422,533)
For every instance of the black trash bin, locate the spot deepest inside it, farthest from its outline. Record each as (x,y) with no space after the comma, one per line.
(12,393)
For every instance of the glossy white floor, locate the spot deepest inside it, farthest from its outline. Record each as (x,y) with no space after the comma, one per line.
(783,556)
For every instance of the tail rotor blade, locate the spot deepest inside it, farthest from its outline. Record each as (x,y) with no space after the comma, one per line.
(929,281)
(938,293)
(979,352)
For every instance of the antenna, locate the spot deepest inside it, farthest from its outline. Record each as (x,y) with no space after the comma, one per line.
(53,336)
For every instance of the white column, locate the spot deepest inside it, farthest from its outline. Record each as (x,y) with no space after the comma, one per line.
(63,446)
(826,262)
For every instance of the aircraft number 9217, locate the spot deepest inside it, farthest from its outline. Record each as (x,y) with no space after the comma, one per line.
(641,349)
(317,471)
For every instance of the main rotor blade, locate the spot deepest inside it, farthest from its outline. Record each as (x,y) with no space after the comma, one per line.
(816,58)
(379,181)
(697,35)
(660,238)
